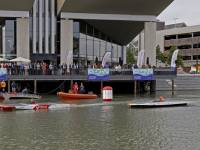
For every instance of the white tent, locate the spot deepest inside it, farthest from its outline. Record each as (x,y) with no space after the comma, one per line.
(4,60)
(20,59)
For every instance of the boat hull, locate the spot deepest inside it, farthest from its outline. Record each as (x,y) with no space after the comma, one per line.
(158,104)
(76,96)
(19,96)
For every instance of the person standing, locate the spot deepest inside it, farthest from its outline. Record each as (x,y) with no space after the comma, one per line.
(75,88)
(50,68)
(82,88)
(63,67)
(44,69)
(3,85)
(70,68)
(13,85)
(21,68)
(26,69)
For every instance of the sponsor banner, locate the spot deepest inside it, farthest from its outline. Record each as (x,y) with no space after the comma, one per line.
(98,74)
(143,74)
(140,58)
(3,74)
(105,58)
(68,57)
(174,58)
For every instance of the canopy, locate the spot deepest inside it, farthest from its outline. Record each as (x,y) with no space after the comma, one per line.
(20,59)
(4,60)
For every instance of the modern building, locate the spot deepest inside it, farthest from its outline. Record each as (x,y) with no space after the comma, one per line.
(187,39)
(46,30)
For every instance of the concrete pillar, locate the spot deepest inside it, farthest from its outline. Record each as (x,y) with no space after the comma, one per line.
(66,45)
(145,86)
(150,42)
(153,86)
(23,38)
(35,86)
(172,85)
(71,85)
(34,27)
(52,26)
(8,85)
(40,26)
(47,26)
(135,87)
(124,54)
(101,87)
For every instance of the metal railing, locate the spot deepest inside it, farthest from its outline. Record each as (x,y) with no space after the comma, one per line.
(78,72)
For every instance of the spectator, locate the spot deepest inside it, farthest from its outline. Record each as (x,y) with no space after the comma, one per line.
(3,85)
(143,66)
(70,68)
(154,67)
(30,69)
(129,66)
(24,91)
(44,69)
(38,68)
(159,67)
(47,69)
(135,66)
(13,85)
(50,68)
(26,69)
(54,69)
(21,68)
(63,67)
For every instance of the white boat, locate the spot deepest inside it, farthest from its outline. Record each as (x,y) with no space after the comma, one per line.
(19,96)
(39,106)
(157,104)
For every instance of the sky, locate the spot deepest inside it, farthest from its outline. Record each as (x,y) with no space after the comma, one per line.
(187,11)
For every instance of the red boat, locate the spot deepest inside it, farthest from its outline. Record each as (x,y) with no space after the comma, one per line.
(76,96)
(5,107)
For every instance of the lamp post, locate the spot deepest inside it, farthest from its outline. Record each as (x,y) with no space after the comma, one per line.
(197,57)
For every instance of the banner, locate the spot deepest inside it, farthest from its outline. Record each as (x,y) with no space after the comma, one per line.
(98,74)
(3,74)
(143,74)
(69,54)
(174,58)
(140,58)
(105,58)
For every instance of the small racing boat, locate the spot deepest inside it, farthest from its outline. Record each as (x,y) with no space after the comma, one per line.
(19,96)
(157,104)
(37,106)
(76,96)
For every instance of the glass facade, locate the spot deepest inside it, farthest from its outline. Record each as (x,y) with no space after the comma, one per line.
(91,44)
(8,39)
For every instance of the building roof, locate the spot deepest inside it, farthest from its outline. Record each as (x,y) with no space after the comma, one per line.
(16,5)
(178,25)
(121,31)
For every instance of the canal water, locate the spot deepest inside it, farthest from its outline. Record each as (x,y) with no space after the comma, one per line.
(91,125)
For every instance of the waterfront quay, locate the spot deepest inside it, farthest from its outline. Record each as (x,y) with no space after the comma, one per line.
(119,79)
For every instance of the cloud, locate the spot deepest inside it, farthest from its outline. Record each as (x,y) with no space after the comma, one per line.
(185,10)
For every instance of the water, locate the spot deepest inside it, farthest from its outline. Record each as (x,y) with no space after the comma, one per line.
(113,126)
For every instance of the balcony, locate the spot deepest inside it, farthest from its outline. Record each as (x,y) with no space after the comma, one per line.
(185,52)
(184,41)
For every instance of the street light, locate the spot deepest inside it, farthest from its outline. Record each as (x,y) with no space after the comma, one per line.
(197,57)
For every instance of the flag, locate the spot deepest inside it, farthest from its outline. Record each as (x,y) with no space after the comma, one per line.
(173,59)
(68,57)
(105,58)
(140,58)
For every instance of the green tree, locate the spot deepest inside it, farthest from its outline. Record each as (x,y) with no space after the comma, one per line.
(179,57)
(130,56)
(159,55)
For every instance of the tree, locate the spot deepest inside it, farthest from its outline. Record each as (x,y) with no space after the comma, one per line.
(159,55)
(179,57)
(130,56)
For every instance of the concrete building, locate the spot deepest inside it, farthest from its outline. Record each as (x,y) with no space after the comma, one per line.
(187,39)
(46,30)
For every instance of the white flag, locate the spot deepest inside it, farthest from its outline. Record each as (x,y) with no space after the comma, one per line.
(105,58)
(140,58)
(68,57)
(174,58)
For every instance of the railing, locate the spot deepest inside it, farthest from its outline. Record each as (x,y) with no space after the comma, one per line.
(79,72)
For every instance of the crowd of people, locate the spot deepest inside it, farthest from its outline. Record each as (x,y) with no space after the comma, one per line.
(63,69)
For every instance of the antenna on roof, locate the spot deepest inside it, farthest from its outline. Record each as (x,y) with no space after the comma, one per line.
(175,21)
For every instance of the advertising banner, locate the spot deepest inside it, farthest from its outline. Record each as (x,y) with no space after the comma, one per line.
(3,74)
(98,74)
(174,58)
(140,58)
(68,57)
(105,58)
(143,74)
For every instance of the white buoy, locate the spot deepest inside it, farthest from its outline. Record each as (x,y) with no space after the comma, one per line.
(107,93)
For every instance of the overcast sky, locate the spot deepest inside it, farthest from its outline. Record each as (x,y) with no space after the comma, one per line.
(187,11)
